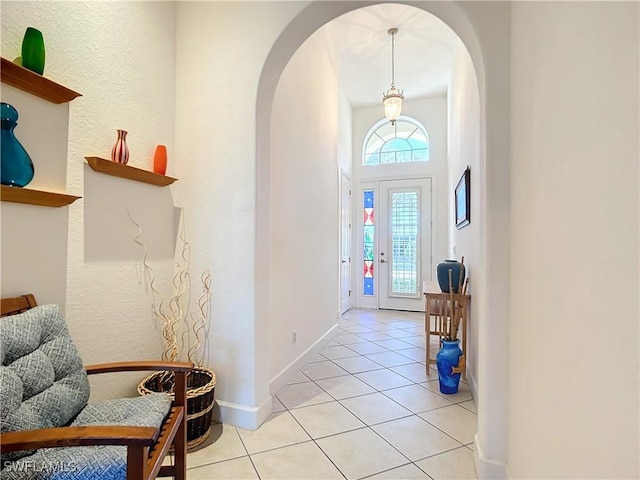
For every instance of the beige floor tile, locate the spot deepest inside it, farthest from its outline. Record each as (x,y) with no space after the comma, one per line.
(470,405)
(455,464)
(373,336)
(454,420)
(382,327)
(367,348)
(401,333)
(357,364)
(464,392)
(347,338)
(383,379)
(326,419)
(356,328)
(344,387)
(279,431)
(236,469)
(417,330)
(276,405)
(402,324)
(415,341)
(302,395)
(374,408)
(394,344)
(360,453)
(389,359)
(415,438)
(301,461)
(417,398)
(406,472)
(413,371)
(316,358)
(320,370)
(226,446)
(339,351)
(416,354)
(298,378)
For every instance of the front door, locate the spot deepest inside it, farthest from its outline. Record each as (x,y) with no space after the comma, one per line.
(404,250)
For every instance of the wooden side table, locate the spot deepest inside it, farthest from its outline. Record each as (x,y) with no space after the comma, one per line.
(438,305)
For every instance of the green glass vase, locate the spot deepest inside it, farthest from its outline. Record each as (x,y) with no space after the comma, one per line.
(33,50)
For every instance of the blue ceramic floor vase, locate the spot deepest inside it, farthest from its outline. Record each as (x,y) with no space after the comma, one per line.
(446,359)
(457,275)
(16,167)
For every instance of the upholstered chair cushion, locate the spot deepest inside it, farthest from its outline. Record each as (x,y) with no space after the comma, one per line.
(90,463)
(43,382)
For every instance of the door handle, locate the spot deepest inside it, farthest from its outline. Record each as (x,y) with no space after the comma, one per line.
(344,261)
(383,260)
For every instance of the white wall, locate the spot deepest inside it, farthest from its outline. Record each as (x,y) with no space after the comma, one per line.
(345,133)
(303,207)
(464,150)
(574,409)
(432,113)
(221,50)
(120,56)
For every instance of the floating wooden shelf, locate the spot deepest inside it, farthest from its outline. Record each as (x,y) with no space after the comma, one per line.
(125,171)
(35,197)
(19,77)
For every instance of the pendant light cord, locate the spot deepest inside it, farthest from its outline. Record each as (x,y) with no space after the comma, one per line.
(393,60)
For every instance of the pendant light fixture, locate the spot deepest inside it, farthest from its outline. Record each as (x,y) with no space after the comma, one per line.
(392,98)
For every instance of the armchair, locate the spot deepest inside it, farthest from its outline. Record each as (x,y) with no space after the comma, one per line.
(48,430)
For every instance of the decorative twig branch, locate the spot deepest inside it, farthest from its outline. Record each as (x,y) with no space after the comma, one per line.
(170,314)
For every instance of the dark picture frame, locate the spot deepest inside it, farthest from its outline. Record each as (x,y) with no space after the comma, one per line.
(463,199)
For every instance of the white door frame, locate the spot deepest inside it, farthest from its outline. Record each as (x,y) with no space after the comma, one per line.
(344,243)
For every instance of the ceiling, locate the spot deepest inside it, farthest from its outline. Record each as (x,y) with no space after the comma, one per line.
(424,52)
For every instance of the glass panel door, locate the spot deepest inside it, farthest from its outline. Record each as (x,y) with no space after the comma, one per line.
(404,254)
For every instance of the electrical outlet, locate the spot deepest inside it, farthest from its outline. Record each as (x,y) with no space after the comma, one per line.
(294,336)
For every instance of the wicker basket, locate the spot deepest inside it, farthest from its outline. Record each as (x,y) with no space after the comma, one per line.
(201,384)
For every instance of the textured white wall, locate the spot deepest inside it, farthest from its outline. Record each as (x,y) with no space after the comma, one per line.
(432,113)
(345,133)
(574,409)
(464,150)
(304,204)
(221,50)
(120,56)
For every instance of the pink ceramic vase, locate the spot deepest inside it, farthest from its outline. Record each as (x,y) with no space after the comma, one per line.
(120,151)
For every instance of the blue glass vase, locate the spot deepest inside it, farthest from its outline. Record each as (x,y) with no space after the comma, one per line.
(447,358)
(16,167)
(457,275)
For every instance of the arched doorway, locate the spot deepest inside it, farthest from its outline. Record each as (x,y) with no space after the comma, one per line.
(484,31)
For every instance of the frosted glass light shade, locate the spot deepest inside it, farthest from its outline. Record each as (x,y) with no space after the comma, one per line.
(392,101)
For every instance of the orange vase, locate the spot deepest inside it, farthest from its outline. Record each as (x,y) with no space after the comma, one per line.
(160,160)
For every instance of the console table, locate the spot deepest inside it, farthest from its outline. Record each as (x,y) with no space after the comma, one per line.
(438,305)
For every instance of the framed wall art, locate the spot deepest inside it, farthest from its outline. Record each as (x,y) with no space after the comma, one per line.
(463,199)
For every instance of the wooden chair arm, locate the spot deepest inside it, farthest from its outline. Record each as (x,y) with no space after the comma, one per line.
(78,436)
(184,367)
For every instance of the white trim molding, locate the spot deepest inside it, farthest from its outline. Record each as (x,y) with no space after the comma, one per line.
(487,468)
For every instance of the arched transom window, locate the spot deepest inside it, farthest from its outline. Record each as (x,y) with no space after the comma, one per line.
(406,141)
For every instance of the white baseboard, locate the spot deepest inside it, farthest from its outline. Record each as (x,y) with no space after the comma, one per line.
(249,418)
(487,468)
(473,386)
(286,374)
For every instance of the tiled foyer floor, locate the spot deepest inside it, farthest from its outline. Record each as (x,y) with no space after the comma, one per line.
(362,408)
